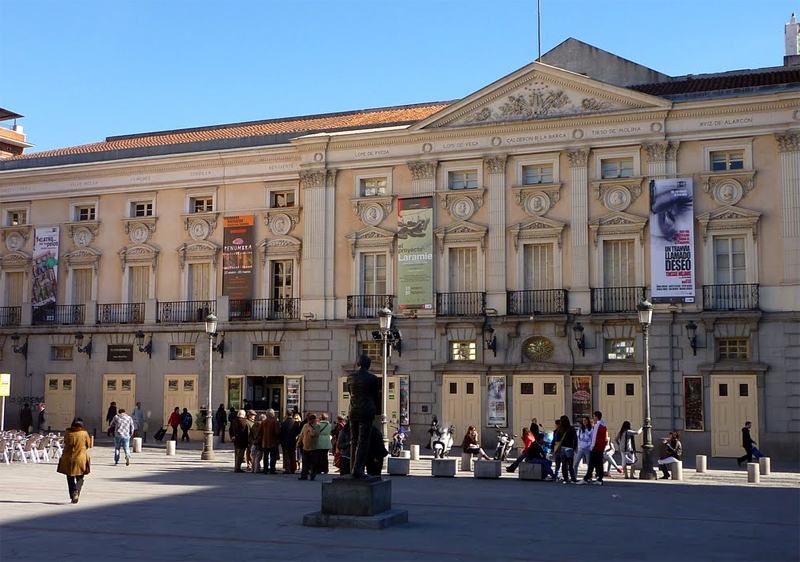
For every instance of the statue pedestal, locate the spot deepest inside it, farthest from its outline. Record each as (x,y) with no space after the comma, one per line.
(364,503)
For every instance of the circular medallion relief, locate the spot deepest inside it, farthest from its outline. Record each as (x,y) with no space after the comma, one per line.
(617,199)
(538,348)
(729,192)
(372,214)
(199,230)
(139,233)
(462,208)
(537,204)
(280,224)
(82,237)
(427,147)
(15,241)
(656,127)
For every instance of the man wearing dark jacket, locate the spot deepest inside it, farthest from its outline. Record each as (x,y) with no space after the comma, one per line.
(221,418)
(747,443)
(290,429)
(240,436)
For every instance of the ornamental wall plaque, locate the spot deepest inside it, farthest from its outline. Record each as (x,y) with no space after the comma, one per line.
(139,233)
(82,237)
(15,241)
(538,349)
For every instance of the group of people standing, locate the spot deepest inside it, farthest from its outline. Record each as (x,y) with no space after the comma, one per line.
(33,422)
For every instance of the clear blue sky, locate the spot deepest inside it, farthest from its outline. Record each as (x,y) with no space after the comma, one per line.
(80,71)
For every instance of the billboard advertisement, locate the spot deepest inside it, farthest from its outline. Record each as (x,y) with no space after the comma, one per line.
(45,266)
(415,253)
(497,414)
(237,257)
(672,268)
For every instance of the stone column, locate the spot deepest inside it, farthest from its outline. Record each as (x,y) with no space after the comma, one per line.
(672,158)
(318,241)
(656,165)
(423,175)
(789,149)
(496,259)
(579,231)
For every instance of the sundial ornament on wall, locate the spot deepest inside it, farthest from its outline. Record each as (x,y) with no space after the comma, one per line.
(538,349)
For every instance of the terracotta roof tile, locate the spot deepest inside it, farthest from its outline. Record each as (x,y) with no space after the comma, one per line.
(725,81)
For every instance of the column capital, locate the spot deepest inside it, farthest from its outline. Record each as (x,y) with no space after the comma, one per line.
(672,150)
(317,178)
(423,169)
(578,157)
(496,164)
(788,141)
(656,151)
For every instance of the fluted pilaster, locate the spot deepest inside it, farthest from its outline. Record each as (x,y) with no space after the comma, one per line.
(579,231)
(496,258)
(789,151)
(318,239)
(423,176)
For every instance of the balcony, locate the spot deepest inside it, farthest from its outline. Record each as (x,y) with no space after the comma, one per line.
(460,304)
(185,311)
(545,301)
(10,315)
(617,299)
(742,296)
(54,314)
(121,313)
(367,306)
(263,309)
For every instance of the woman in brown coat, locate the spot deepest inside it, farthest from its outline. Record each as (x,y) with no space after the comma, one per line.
(75,460)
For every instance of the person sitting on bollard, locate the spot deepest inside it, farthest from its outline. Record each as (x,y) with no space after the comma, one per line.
(527,439)
(537,455)
(470,443)
(674,450)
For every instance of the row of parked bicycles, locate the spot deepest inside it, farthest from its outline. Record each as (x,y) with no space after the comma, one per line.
(16,445)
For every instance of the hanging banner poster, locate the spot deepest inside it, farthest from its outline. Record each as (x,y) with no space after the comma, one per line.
(404,401)
(497,414)
(581,398)
(45,266)
(672,241)
(415,253)
(237,261)
(693,403)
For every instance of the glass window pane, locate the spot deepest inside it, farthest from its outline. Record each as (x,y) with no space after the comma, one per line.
(526,388)
(453,388)
(744,390)
(470,388)
(610,389)
(723,389)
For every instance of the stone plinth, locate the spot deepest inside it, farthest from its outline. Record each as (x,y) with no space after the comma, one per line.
(443,467)
(405,454)
(137,445)
(466,462)
(753,473)
(414,452)
(700,463)
(170,447)
(531,471)
(488,469)
(364,503)
(765,466)
(399,466)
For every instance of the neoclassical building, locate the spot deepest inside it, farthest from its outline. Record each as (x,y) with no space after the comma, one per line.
(512,232)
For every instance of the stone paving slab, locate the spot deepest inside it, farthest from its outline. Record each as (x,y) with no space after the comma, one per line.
(180,507)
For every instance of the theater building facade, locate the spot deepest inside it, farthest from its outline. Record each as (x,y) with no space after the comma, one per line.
(512,232)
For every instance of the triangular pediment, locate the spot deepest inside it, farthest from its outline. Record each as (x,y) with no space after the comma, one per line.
(617,223)
(279,247)
(536,228)
(461,232)
(729,212)
(539,91)
(370,237)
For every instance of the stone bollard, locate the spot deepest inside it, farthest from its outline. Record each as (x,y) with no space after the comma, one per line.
(443,467)
(170,447)
(405,455)
(764,466)
(700,463)
(530,471)
(753,475)
(488,469)
(91,441)
(137,444)
(399,466)
(466,462)
(677,470)
(414,452)
(216,441)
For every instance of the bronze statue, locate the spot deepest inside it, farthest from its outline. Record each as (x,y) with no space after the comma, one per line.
(364,388)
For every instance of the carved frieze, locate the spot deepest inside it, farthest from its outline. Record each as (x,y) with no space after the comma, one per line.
(82,257)
(728,188)
(281,247)
(142,254)
(83,232)
(423,169)
(199,250)
(15,237)
(16,261)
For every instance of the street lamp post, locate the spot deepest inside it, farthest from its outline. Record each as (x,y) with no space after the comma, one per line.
(385,317)
(645,310)
(208,436)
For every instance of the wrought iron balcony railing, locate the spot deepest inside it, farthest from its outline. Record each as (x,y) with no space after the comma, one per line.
(741,296)
(10,315)
(367,306)
(185,311)
(542,301)
(121,313)
(242,310)
(461,304)
(617,299)
(52,314)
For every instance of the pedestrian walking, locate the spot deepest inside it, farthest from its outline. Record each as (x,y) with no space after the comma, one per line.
(174,422)
(40,424)
(674,451)
(569,442)
(608,457)
(626,445)
(256,449)
(221,417)
(239,433)
(598,445)
(584,444)
(186,424)
(111,413)
(26,418)
(308,439)
(122,425)
(747,443)
(138,419)
(74,461)
(270,441)
(290,429)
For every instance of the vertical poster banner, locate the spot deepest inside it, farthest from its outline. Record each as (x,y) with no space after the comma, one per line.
(693,403)
(237,262)
(415,253)
(497,414)
(404,400)
(581,398)
(45,266)
(672,241)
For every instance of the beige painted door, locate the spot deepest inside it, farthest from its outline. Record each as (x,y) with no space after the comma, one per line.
(59,397)
(621,400)
(540,397)
(461,403)
(120,389)
(181,391)
(734,401)
(392,405)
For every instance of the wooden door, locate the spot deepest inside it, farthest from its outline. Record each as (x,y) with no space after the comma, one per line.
(181,391)
(621,400)
(59,397)
(461,403)
(540,397)
(734,401)
(120,389)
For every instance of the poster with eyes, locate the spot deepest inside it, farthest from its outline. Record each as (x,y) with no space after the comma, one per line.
(672,241)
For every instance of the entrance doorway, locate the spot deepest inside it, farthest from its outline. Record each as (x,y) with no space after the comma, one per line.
(734,401)
(461,403)
(120,389)
(621,400)
(59,396)
(181,391)
(540,397)
(282,393)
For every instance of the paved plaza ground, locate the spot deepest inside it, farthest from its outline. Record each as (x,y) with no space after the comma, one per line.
(178,508)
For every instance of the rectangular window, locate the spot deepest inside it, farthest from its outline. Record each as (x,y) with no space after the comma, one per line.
(453,388)
(620,350)
(282,279)
(611,389)
(538,265)
(61,352)
(617,168)
(266,350)
(526,388)
(723,389)
(462,180)
(138,283)
(463,269)
(203,204)
(729,260)
(281,199)
(17,218)
(373,187)
(373,274)
(85,213)
(470,388)
(619,263)
(727,160)
(744,389)
(141,209)
(550,389)
(199,279)
(538,173)
(82,285)
(629,389)
(733,348)
(462,350)
(181,352)
(371,349)
(15,288)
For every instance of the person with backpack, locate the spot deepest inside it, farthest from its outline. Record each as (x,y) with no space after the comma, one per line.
(186,424)
(627,448)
